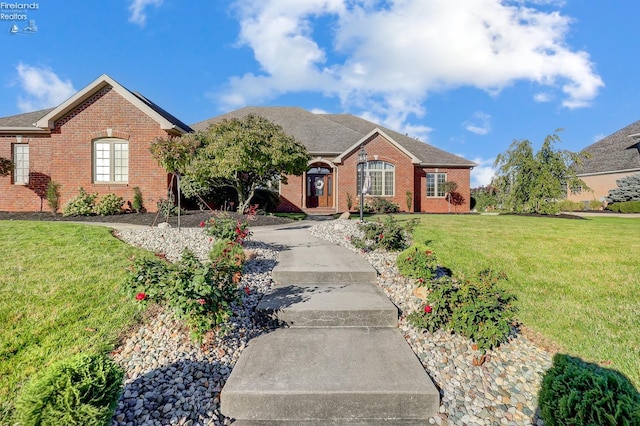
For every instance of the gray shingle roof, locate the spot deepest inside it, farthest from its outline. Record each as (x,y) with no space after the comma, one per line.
(333,134)
(616,152)
(27,119)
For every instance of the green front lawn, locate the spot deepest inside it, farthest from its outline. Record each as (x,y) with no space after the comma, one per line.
(59,295)
(577,281)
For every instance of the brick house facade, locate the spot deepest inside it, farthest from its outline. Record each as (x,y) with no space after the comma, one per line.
(396,164)
(98,139)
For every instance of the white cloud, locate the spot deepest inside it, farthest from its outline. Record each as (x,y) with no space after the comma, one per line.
(598,137)
(386,57)
(483,173)
(137,9)
(543,97)
(42,87)
(480,124)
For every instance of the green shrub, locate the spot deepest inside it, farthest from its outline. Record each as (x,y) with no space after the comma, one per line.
(381,205)
(53,195)
(198,293)
(419,262)
(109,205)
(574,392)
(388,235)
(478,310)
(223,227)
(82,390)
(137,204)
(595,205)
(625,207)
(409,200)
(81,205)
(570,206)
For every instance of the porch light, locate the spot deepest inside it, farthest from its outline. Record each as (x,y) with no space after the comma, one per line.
(362,160)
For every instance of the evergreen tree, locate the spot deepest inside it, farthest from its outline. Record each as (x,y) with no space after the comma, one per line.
(628,190)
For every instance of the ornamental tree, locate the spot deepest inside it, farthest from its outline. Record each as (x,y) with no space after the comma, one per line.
(628,190)
(174,154)
(243,154)
(6,167)
(532,182)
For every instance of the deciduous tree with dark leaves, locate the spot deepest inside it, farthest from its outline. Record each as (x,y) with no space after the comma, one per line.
(243,154)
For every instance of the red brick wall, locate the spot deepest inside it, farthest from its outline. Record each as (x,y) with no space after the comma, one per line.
(439,204)
(407,178)
(291,194)
(21,197)
(66,155)
(385,151)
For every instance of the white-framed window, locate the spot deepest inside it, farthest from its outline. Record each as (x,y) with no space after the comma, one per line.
(435,184)
(110,160)
(380,177)
(21,164)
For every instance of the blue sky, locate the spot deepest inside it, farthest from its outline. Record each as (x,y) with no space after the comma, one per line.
(468,76)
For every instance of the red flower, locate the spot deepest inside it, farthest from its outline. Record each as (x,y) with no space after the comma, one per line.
(202,224)
(421,280)
(429,252)
(427,309)
(202,301)
(141,296)
(247,290)
(381,236)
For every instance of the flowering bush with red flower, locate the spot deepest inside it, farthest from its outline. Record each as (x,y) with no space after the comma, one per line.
(419,262)
(223,227)
(389,235)
(477,309)
(199,293)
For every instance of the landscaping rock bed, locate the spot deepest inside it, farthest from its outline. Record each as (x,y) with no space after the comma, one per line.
(171,380)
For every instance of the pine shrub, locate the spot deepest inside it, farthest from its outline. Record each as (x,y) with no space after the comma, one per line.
(137,204)
(81,390)
(575,392)
(53,195)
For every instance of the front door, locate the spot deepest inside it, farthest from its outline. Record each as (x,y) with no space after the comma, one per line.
(319,190)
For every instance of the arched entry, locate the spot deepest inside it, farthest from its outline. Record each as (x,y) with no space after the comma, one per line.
(319,186)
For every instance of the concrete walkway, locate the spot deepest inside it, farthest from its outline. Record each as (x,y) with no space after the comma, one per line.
(337,357)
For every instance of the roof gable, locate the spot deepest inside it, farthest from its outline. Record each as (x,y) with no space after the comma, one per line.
(164,119)
(424,153)
(617,152)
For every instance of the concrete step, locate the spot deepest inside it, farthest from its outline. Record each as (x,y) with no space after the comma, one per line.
(329,376)
(328,305)
(321,264)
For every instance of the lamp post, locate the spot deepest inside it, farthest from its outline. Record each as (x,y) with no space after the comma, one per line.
(362,160)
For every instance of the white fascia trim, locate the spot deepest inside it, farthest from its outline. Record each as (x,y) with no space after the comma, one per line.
(357,145)
(48,121)
(612,172)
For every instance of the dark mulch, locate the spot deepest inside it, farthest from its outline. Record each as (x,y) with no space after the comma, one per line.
(190,219)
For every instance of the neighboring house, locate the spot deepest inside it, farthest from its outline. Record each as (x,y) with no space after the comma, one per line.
(397,164)
(610,159)
(98,139)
